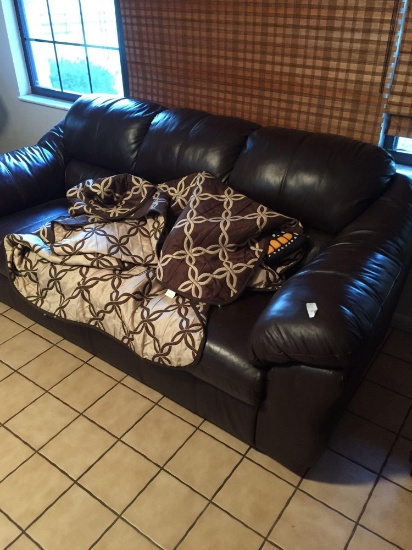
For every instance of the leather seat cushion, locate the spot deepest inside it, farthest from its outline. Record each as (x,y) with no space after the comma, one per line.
(27,221)
(225,362)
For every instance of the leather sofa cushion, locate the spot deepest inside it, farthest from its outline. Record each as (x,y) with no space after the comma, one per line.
(184,141)
(322,180)
(225,363)
(27,221)
(108,131)
(78,171)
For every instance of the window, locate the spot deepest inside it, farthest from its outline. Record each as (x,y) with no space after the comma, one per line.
(72,47)
(400,148)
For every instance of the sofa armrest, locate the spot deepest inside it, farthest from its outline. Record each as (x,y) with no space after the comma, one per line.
(351,281)
(30,176)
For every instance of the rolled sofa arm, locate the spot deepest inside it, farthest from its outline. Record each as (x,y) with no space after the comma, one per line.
(351,282)
(33,175)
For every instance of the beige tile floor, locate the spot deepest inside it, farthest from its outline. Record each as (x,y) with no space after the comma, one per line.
(91,458)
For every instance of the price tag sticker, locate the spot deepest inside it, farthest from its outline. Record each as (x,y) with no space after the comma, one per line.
(312,309)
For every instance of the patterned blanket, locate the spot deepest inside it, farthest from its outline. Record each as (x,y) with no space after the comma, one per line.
(144,263)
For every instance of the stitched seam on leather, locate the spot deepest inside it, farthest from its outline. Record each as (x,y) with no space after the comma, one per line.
(285,175)
(187,138)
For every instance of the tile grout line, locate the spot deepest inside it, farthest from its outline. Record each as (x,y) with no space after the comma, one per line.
(17,369)
(117,438)
(377,474)
(122,519)
(208,499)
(24,534)
(276,521)
(393,432)
(197,428)
(374,472)
(368,468)
(48,390)
(161,468)
(75,481)
(387,388)
(274,544)
(326,505)
(38,451)
(378,477)
(392,356)
(210,502)
(45,392)
(81,413)
(373,533)
(21,529)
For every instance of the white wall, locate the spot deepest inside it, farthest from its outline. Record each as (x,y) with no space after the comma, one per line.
(22,122)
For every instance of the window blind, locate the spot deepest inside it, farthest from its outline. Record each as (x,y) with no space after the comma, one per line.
(308,64)
(399,104)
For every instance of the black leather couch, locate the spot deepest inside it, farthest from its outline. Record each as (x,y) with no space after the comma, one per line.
(269,375)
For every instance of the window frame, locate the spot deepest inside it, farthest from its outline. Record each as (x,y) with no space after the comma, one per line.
(30,63)
(400,157)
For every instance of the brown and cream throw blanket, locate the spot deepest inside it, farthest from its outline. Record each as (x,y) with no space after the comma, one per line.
(144,263)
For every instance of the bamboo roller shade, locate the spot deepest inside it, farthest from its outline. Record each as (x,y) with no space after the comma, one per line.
(309,64)
(400,100)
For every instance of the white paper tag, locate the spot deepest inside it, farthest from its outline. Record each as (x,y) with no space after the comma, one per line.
(312,309)
(170,293)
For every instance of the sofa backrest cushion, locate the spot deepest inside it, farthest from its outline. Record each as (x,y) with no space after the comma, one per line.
(107,131)
(184,141)
(323,180)
(78,171)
